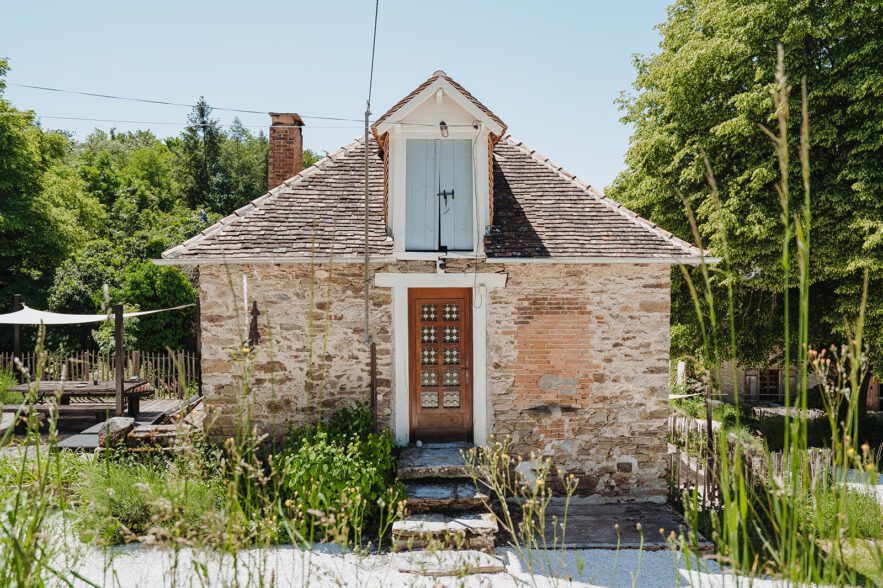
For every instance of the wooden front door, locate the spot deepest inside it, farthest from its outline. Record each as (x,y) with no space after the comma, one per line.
(440,334)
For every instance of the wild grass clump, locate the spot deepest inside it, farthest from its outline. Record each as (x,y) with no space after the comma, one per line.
(122,502)
(825,515)
(33,490)
(521,498)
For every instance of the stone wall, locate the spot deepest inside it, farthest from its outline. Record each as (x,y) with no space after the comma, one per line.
(579,359)
(311,358)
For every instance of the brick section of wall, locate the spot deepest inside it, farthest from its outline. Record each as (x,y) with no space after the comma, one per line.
(579,359)
(311,358)
(286,148)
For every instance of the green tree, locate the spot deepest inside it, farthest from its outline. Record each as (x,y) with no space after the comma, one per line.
(705,93)
(200,153)
(243,162)
(40,221)
(149,286)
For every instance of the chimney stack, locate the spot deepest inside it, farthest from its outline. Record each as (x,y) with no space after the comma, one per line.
(285,157)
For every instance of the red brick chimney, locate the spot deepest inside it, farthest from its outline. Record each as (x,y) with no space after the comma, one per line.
(285,157)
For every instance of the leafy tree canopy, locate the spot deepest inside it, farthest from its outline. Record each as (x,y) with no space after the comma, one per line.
(706,92)
(80,220)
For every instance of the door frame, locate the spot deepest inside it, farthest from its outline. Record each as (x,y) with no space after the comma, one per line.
(481,284)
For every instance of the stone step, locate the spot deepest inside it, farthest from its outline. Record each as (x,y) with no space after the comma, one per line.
(437,531)
(448,563)
(443,496)
(436,460)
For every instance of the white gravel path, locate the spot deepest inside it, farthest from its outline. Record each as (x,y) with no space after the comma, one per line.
(139,566)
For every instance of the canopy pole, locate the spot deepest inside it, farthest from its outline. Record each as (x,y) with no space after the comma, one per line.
(16,330)
(120,356)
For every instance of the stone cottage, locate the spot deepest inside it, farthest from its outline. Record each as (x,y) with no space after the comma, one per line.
(504,295)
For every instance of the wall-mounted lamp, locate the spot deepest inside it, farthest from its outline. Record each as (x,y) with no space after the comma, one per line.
(443,127)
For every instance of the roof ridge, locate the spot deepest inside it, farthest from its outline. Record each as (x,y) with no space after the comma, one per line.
(244,211)
(606,200)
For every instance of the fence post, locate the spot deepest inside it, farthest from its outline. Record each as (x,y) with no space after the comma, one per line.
(181,373)
(120,356)
(199,345)
(16,335)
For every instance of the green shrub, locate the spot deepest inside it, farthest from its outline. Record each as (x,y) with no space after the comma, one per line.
(338,477)
(721,411)
(7,381)
(349,421)
(123,501)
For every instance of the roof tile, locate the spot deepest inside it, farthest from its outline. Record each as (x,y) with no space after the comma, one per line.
(540,210)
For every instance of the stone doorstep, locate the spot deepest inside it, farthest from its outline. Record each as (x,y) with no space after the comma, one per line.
(443,460)
(477,524)
(443,496)
(449,563)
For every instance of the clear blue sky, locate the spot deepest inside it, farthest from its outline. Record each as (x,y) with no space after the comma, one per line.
(551,70)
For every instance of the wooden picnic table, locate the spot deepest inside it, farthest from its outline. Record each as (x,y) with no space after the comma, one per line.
(133,391)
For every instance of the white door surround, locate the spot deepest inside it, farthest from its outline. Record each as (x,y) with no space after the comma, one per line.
(400,283)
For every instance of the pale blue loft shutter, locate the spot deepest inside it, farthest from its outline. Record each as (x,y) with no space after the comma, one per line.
(436,167)
(421,204)
(455,175)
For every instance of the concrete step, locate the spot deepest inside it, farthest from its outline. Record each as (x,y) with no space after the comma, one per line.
(443,496)
(435,460)
(469,531)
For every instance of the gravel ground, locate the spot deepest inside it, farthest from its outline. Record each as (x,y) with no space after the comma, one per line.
(139,566)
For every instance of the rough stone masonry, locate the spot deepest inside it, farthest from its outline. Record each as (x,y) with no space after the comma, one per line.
(578,359)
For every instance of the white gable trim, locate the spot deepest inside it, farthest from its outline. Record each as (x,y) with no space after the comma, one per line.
(427,93)
(400,282)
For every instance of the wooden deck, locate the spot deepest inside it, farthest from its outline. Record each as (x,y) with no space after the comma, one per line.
(84,435)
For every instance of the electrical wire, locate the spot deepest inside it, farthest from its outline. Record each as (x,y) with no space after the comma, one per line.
(367,278)
(156,122)
(223,109)
(373,50)
(166,102)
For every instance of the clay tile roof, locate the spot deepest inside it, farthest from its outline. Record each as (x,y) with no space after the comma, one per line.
(540,210)
(319,212)
(421,87)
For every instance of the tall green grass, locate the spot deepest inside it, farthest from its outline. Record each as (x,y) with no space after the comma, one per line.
(765,520)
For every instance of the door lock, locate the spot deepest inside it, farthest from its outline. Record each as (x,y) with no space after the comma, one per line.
(445,194)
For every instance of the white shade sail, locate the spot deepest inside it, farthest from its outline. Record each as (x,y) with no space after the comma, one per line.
(32,316)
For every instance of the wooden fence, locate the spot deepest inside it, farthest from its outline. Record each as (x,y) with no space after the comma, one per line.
(694,459)
(172,374)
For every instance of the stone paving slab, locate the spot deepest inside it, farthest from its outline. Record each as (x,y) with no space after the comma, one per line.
(594,526)
(448,563)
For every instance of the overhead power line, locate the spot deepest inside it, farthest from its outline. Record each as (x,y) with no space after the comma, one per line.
(167,102)
(157,122)
(367,278)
